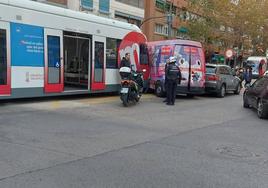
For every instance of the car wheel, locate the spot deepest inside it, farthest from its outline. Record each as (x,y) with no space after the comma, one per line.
(222,91)
(238,89)
(262,112)
(245,102)
(159,90)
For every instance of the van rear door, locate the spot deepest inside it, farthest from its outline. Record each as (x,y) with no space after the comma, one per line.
(191,61)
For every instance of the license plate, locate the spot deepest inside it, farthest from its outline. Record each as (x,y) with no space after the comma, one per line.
(124,90)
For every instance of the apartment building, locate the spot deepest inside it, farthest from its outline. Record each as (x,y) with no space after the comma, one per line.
(155,25)
(131,11)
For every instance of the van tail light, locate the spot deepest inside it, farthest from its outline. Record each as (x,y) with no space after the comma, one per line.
(213,78)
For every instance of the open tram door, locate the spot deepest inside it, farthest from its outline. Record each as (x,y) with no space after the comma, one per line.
(135,44)
(53,61)
(5,81)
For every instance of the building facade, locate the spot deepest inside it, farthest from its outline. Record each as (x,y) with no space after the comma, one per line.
(131,11)
(158,25)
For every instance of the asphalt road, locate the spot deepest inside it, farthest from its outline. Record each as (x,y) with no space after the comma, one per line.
(80,142)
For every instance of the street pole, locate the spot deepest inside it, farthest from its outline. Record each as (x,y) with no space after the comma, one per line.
(170,19)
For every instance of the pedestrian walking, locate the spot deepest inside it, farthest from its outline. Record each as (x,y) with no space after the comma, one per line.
(173,76)
(240,75)
(248,76)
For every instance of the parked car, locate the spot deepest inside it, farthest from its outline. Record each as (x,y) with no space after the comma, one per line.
(256,96)
(221,79)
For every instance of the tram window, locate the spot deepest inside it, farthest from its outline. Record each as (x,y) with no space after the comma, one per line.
(143,54)
(53,59)
(99,62)
(112,46)
(3,58)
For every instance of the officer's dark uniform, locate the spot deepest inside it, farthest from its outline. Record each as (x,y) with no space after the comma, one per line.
(173,75)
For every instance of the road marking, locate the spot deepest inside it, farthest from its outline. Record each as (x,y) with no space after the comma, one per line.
(103,100)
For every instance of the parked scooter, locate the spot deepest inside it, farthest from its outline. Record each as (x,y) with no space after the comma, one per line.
(131,85)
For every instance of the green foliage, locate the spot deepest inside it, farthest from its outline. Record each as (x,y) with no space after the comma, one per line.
(242,24)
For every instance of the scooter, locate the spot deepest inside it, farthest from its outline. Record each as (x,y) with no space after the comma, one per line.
(131,85)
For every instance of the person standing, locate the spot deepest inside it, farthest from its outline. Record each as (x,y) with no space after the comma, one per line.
(248,76)
(173,76)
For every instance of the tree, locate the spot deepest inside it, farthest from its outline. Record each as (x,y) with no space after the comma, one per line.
(230,23)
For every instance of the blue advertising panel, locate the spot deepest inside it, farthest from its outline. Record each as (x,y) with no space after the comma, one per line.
(27,45)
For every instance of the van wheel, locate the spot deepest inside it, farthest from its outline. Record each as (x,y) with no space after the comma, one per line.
(221,93)
(159,90)
(262,112)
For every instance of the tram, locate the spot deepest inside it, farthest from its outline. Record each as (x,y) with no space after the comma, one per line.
(49,51)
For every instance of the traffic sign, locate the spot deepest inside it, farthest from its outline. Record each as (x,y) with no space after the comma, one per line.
(229,53)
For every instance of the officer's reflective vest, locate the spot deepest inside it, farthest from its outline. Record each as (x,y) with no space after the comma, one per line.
(172,72)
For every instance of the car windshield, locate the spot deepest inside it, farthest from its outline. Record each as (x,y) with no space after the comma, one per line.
(210,70)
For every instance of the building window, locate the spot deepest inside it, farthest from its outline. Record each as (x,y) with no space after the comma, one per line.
(135,3)
(158,28)
(112,47)
(128,19)
(165,31)
(161,29)
(160,4)
(104,6)
(87,4)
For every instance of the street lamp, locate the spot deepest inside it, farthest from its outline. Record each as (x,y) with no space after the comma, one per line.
(170,19)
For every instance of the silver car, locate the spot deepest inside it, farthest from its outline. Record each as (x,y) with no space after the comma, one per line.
(220,79)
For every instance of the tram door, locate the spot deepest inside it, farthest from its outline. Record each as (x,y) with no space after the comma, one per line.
(98,64)
(5,80)
(53,61)
(76,61)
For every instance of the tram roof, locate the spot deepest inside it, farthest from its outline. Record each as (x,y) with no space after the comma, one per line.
(42,7)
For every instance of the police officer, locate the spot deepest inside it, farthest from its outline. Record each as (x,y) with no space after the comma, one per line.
(173,75)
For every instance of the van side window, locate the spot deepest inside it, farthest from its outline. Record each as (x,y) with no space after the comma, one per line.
(144,55)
